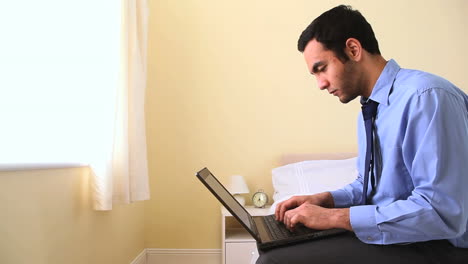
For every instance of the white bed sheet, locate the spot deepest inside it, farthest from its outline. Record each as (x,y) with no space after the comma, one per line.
(311,176)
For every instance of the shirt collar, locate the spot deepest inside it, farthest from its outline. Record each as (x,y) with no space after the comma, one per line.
(383,86)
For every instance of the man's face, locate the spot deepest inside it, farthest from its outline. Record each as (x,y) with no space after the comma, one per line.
(338,78)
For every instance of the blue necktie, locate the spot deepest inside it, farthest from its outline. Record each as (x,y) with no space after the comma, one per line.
(369,111)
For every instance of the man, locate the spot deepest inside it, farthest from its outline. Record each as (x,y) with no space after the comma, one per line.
(410,201)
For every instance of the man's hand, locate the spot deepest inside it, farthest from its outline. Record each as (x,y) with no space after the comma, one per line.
(317,217)
(322,199)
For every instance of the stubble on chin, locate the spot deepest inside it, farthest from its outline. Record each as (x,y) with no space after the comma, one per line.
(346,99)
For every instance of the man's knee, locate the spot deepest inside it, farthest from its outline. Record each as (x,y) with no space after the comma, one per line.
(265,258)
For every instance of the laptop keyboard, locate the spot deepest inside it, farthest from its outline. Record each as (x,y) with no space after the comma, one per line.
(279,231)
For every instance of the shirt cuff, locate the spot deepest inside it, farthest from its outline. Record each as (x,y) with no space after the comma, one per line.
(364,224)
(341,198)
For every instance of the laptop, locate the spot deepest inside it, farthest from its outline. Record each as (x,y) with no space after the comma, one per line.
(268,232)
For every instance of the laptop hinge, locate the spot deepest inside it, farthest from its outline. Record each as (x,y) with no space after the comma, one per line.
(262,230)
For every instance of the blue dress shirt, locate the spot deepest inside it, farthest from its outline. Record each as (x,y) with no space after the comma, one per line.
(421,170)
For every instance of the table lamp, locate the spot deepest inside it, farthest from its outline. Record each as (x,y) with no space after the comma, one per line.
(237,187)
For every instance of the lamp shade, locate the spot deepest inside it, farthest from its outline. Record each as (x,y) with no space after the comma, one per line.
(238,185)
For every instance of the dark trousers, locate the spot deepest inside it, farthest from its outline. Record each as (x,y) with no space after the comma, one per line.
(347,248)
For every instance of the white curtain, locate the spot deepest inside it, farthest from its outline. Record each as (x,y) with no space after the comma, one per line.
(120,168)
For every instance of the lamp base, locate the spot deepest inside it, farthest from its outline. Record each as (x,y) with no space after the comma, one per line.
(240,199)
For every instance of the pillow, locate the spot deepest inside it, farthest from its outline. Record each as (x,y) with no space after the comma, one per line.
(312,176)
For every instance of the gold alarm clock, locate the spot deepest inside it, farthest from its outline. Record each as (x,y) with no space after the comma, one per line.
(260,199)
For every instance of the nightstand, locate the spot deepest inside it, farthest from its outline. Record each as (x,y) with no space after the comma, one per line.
(238,246)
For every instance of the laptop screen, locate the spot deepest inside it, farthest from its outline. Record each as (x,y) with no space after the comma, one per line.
(225,197)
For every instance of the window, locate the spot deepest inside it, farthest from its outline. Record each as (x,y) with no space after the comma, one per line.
(59,69)
(69,73)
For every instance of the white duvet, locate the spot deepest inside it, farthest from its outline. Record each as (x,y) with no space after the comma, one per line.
(312,176)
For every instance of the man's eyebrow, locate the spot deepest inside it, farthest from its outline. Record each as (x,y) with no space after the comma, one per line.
(315,66)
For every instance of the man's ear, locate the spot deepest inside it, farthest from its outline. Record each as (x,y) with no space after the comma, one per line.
(353,49)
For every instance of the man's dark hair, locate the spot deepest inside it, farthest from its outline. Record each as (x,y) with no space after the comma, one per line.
(335,26)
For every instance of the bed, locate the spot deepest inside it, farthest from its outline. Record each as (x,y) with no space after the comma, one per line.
(312,173)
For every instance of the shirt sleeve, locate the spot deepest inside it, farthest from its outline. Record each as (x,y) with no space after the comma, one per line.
(435,153)
(348,195)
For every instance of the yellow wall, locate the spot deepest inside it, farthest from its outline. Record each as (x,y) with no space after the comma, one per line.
(46,217)
(228,90)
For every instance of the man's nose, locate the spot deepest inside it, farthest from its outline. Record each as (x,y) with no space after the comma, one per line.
(322,83)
